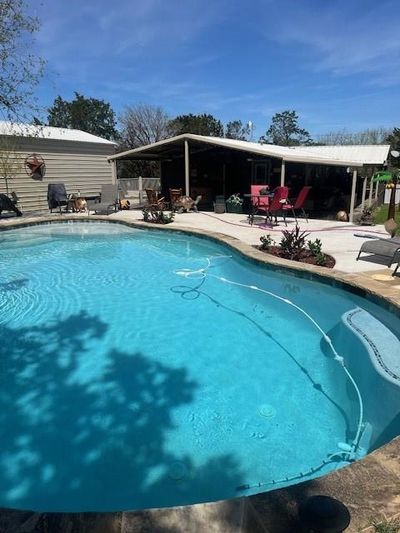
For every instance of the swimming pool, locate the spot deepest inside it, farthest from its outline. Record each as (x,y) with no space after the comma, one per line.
(148,369)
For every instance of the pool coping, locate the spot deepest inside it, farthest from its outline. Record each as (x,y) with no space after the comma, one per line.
(276,511)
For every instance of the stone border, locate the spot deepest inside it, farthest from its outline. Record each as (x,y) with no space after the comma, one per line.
(369,487)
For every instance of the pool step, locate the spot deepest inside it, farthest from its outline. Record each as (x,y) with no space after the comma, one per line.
(382,345)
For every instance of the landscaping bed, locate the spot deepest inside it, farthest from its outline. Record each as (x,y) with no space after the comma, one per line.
(305,257)
(295,247)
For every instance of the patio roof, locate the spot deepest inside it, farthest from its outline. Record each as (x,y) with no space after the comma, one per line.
(323,155)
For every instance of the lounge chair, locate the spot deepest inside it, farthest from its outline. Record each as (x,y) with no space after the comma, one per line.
(9,204)
(108,200)
(56,196)
(388,249)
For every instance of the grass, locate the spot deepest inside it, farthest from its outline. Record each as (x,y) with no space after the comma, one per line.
(380,215)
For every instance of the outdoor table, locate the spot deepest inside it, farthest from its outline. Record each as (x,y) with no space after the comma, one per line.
(255,204)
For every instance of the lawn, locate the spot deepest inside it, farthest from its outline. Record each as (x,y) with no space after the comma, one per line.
(380,215)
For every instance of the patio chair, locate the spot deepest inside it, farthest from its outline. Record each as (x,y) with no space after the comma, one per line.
(108,200)
(388,249)
(9,204)
(260,198)
(278,201)
(298,204)
(56,196)
(154,201)
(175,195)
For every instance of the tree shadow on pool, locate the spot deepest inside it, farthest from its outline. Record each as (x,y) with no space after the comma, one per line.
(81,432)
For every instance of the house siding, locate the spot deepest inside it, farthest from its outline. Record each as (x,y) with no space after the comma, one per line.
(80,166)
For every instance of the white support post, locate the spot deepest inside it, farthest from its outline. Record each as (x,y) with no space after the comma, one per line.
(364,192)
(376,190)
(114,173)
(187,182)
(353,195)
(371,187)
(283,173)
(140,187)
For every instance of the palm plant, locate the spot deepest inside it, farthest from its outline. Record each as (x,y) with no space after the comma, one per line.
(390,177)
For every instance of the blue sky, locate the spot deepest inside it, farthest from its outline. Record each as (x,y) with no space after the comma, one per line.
(336,62)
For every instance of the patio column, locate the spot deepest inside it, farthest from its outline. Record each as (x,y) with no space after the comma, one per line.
(283,173)
(371,187)
(353,195)
(364,192)
(187,184)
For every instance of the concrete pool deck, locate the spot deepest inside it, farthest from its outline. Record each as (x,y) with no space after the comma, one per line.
(370,488)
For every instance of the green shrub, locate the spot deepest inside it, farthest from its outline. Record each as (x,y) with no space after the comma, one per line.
(315,247)
(157,216)
(266,242)
(293,243)
(320,259)
(235,199)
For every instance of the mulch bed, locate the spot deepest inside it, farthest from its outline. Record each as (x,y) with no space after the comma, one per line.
(306,256)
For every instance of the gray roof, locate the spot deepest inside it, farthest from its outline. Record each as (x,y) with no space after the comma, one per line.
(48,132)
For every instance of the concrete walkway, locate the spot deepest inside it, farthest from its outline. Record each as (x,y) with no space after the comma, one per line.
(338,238)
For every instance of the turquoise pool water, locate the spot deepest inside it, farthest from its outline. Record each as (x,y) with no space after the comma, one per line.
(128,381)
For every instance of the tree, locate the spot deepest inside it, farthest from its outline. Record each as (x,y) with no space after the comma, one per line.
(10,160)
(394,139)
(368,136)
(236,130)
(285,130)
(143,124)
(198,124)
(87,114)
(20,71)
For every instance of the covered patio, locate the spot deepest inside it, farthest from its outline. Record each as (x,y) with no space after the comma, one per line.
(340,176)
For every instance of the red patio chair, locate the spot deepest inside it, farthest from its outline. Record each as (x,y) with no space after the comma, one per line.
(298,204)
(261,202)
(258,203)
(278,201)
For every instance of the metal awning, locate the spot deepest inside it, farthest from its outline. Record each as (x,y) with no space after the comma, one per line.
(173,147)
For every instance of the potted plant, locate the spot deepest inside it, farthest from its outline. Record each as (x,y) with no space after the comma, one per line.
(234,204)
